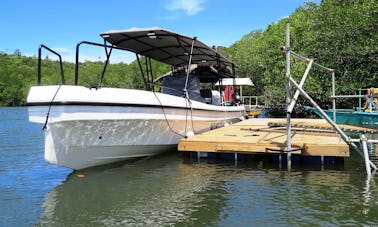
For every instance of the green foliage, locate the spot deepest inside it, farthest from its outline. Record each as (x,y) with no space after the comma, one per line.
(339,34)
(15,78)
(347,39)
(19,73)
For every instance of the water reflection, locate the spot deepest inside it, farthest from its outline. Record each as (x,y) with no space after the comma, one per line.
(154,191)
(165,190)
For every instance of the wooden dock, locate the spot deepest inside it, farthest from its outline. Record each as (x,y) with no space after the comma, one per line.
(309,137)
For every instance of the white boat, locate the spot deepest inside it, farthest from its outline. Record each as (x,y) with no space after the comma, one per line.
(86,127)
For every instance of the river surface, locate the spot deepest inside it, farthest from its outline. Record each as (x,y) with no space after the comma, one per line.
(168,190)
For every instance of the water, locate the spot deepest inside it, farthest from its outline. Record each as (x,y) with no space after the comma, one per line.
(168,190)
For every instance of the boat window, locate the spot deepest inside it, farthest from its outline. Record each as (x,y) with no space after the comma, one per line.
(175,84)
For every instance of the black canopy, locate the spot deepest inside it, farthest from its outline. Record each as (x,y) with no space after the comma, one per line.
(167,47)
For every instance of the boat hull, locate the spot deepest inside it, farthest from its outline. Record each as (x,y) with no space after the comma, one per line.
(82,144)
(88,134)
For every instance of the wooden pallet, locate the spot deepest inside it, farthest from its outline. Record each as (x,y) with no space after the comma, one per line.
(259,136)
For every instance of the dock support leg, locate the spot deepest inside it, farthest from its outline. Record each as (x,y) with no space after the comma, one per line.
(288,96)
(288,161)
(366,154)
(322,162)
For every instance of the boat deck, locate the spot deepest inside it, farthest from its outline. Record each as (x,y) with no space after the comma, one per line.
(310,137)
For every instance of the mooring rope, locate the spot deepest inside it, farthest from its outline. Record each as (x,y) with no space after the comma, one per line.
(51,103)
(165,117)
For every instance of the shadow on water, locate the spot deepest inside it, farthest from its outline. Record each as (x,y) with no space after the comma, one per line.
(169,190)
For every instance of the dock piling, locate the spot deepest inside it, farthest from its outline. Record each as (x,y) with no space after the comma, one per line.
(288,96)
(363,140)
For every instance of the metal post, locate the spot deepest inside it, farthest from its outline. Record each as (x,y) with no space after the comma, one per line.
(39,64)
(142,72)
(322,162)
(288,96)
(241,91)
(303,80)
(359,100)
(366,154)
(333,96)
(188,69)
(105,66)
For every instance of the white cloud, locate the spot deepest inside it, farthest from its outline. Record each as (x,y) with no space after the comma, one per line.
(191,7)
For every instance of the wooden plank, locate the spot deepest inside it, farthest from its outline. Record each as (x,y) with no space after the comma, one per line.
(333,150)
(244,148)
(302,131)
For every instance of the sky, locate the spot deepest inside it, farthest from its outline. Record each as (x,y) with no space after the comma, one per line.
(60,25)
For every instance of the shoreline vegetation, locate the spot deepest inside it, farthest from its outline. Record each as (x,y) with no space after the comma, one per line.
(339,34)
